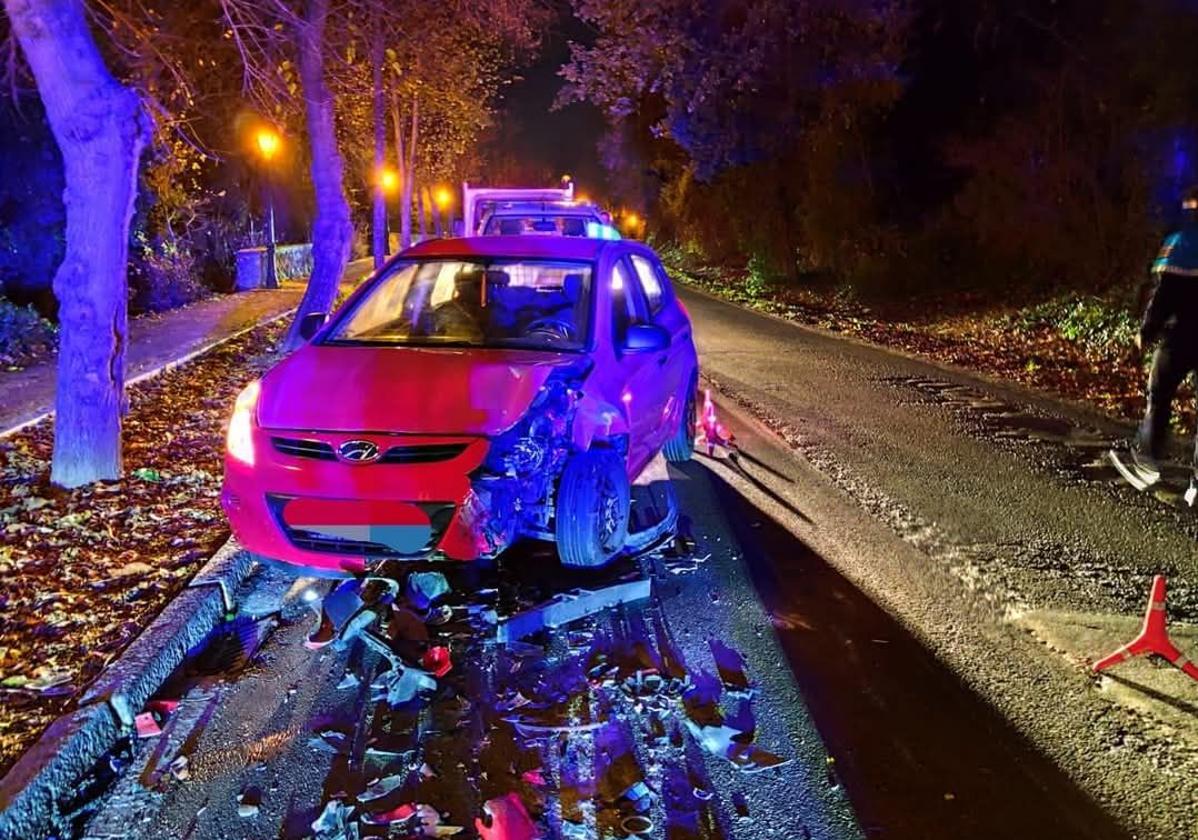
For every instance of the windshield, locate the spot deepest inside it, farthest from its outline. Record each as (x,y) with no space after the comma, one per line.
(532,304)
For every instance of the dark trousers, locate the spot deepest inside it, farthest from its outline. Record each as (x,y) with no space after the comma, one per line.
(1171,364)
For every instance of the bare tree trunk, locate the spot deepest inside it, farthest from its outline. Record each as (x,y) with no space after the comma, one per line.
(101,129)
(409,183)
(434,211)
(332,230)
(378,239)
(420,196)
(405,207)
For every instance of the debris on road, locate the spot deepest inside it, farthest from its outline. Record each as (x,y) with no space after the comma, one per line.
(248,802)
(424,588)
(436,661)
(570,607)
(180,768)
(399,686)
(715,433)
(508,820)
(146,725)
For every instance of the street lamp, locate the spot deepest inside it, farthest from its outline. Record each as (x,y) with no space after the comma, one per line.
(388,184)
(388,180)
(443,198)
(268,143)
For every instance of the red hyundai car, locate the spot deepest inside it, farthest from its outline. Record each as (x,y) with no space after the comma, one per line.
(472,393)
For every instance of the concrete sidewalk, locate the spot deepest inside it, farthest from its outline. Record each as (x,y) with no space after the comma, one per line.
(158,339)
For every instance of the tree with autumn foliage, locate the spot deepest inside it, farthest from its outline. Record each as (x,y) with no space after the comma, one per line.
(325,39)
(765,106)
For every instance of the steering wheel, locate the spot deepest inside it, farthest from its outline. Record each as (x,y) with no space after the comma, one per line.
(555,329)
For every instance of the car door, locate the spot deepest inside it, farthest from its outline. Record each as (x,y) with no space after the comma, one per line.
(642,397)
(674,370)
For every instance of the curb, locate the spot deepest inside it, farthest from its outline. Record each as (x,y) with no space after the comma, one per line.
(51,769)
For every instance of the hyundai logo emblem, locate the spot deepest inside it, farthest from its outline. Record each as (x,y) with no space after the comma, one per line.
(358,451)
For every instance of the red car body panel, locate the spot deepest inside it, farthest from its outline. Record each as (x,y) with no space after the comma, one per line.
(449,402)
(403,389)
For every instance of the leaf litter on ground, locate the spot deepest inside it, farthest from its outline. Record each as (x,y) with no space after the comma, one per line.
(82,572)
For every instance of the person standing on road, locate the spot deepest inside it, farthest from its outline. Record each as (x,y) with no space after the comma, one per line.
(1171,319)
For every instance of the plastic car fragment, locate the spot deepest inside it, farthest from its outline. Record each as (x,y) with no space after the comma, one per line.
(403,685)
(508,820)
(424,588)
(571,606)
(335,822)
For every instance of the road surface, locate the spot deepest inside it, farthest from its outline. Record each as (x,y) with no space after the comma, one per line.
(894,589)
(983,517)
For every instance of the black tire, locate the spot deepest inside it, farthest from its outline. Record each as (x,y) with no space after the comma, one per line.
(591,512)
(681,444)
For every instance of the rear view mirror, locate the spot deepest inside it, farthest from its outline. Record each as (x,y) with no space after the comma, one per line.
(645,338)
(311,323)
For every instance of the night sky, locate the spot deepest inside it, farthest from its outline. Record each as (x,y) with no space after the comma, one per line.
(547,143)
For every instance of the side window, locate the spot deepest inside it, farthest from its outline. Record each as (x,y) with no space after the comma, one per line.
(650,283)
(628,305)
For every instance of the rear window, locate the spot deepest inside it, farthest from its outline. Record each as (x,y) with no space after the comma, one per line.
(536,225)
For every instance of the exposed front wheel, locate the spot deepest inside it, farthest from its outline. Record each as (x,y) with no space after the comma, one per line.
(591,514)
(682,443)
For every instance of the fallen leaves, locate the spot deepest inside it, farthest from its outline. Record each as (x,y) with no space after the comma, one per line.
(82,572)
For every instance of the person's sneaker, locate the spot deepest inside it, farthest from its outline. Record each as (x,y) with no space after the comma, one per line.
(1138,470)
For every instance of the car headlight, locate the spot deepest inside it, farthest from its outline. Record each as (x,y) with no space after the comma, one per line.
(239,441)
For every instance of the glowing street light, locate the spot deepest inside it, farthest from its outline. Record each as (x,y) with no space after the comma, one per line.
(632,220)
(388,180)
(443,197)
(269,142)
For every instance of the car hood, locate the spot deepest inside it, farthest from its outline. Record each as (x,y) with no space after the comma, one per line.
(404,389)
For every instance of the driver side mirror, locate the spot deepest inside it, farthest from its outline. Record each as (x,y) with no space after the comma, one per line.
(311,323)
(645,338)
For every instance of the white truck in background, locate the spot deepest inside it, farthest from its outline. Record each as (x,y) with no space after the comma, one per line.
(507,211)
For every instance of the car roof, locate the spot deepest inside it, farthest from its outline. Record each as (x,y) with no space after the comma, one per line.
(534,247)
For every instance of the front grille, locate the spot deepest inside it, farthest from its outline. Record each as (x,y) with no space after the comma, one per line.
(414,453)
(422,453)
(439,515)
(298,448)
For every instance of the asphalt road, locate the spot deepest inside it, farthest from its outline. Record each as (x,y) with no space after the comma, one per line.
(980,516)
(868,566)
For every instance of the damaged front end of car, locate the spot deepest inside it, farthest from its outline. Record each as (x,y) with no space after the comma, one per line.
(512,491)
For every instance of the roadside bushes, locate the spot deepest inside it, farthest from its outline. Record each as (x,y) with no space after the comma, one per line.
(1094,322)
(163,277)
(24,334)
